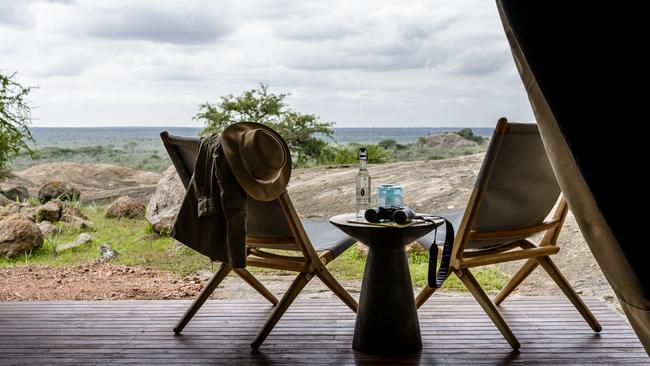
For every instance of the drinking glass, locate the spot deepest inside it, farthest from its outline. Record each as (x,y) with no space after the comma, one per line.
(395,196)
(382,192)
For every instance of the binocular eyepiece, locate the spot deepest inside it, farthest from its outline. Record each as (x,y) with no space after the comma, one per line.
(398,215)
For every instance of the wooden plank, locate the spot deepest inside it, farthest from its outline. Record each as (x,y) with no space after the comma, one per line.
(314,331)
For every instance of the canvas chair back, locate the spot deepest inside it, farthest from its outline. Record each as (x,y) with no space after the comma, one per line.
(265,220)
(516,184)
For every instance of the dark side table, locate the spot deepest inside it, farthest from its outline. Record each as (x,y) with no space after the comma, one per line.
(387,320)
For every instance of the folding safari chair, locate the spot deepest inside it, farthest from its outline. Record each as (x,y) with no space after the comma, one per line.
(270,225)
(513,195)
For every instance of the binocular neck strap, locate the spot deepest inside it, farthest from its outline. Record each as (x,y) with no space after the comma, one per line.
(438,276)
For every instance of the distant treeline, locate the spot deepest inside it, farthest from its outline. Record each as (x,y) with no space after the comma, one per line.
(143,157)
(130,156)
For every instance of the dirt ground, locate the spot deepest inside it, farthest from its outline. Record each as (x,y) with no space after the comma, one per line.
(94,281)
(432,186)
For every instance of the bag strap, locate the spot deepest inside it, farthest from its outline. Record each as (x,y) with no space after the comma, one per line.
(438,276)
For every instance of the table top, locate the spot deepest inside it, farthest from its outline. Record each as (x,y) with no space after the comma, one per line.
(382,236)
(343,219)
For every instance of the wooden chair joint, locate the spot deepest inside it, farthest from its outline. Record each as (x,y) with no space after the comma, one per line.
(512,255)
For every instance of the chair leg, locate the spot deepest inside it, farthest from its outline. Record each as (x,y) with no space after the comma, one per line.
(256,284)
(209,288)
(475,289)
(334,285)
(296,286)
(564,285)
(516,280)
(423,296)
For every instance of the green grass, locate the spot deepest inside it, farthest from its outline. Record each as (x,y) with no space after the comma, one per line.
(128,238)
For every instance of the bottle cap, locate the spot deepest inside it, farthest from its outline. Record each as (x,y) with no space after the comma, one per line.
(363,153)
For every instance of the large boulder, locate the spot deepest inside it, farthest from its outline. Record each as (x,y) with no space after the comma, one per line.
(18,235)
(125,207)
(16,193)
(98,183)
(58,189)
(49,211)
(165,202)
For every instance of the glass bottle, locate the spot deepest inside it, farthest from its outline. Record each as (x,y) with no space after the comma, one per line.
(363,184)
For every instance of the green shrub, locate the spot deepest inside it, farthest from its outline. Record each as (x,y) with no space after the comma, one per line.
(468,134)
(349,154)
(387,144)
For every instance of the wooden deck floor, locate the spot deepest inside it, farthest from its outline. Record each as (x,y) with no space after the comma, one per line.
(454,330)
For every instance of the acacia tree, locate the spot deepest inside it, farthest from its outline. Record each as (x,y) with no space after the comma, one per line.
(303,132)
(15,118)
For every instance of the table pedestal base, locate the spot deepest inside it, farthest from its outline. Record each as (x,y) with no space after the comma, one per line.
(387,320)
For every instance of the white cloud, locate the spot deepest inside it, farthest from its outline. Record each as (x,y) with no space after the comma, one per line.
(365,63)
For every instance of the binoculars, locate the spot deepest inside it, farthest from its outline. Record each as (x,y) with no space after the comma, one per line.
(398,215)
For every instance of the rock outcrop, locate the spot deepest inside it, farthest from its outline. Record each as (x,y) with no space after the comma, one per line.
(125,207)
(165,202)
(19,235)
(99,183)
(445,141)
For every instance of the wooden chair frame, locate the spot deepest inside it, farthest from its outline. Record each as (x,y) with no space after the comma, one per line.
(536,253)
(308,264)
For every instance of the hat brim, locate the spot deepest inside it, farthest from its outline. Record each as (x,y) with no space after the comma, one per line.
(258,189)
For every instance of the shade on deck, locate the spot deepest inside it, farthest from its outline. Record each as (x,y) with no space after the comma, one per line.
(314,331)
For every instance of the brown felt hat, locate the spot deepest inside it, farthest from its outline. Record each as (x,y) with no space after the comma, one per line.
(258,157)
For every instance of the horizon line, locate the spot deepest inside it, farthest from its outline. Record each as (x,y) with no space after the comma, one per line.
(168,126)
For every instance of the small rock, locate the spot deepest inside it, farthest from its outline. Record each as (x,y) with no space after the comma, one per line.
(107,253)
(203,276)
(49,211)
(18,209)
(58,189)
(16,193)
(125,207)
(47,229)
(10,209)
(78,223)
(83,238)
(73,211)
(4,201)
(28,212)
(18,235)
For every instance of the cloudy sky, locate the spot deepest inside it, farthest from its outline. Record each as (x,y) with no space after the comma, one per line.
(357,63)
